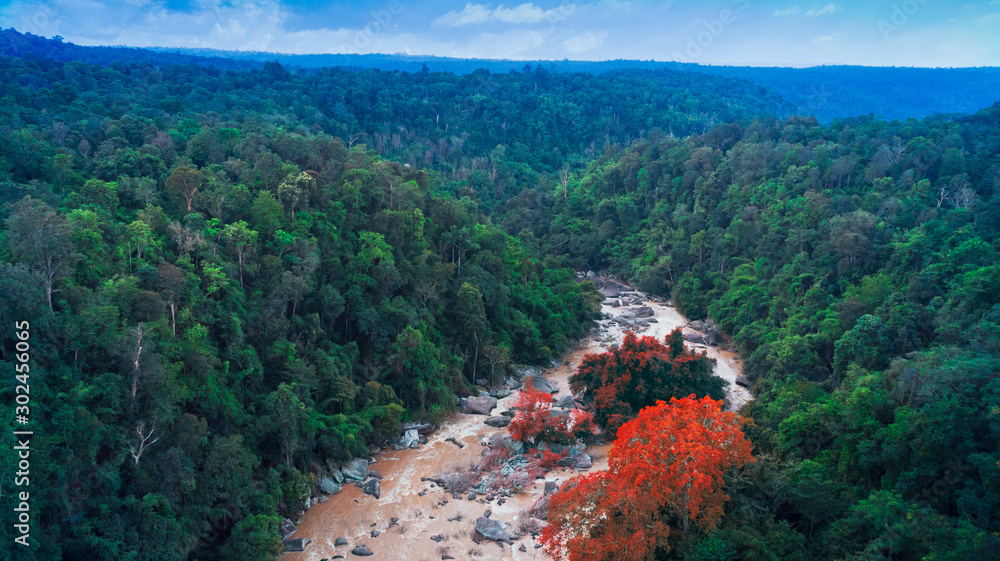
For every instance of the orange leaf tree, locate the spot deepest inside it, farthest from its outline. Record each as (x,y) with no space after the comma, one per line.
(641,372)
(535,421)
(665,472)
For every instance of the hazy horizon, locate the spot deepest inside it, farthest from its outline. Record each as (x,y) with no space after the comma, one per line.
(909,33)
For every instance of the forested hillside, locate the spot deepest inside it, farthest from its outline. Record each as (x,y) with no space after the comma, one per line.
(235,278)
(221,306)
(856,268)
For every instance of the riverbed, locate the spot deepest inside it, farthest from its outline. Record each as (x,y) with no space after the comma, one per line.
(424,510)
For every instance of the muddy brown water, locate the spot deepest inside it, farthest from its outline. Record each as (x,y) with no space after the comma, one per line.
(353,515)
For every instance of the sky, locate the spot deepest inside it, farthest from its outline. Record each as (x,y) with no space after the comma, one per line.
(737,32)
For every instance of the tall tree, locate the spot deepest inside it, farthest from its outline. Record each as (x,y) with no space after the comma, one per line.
(665,471)
(471,315)
(40,238)
(185,182)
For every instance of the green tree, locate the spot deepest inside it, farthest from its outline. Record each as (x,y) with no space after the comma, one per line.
(254,538)
(40,238)
(242,241)
(289,418)
(184,182)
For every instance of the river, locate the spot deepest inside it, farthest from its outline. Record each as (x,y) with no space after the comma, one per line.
(353,515)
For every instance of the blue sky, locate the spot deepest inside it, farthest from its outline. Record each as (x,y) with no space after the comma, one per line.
(759,32)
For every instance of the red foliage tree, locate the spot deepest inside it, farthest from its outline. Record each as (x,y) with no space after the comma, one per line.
(641,372)
(535,422)
(665,471)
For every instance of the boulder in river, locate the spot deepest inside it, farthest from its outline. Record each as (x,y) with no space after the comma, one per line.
(492,529)
(542,384)
(498,421)
(361,551)
(409,438)
(500,392)
(340,542)
(329,486)
(356,469)
(481,405)
(642,312)
(286,528)
(523,371)
(296,544)
(372,487)
(741,380)
(566,402)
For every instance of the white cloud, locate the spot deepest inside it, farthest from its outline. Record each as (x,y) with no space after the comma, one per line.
(828,9)
(523,14)
(471,13)
(586,41)
(822,39)
(787,12)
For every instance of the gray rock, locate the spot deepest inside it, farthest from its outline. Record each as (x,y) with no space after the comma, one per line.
(286,528)
(337,475)
(551,487)
(472,496)
(372,487)
(742,381)
(499,421)
(540,510)
(591,274)
(361,551)
(493,530)
(583,461)
(340,542)
(409,438)
(542,384)
(643,312)
(329,486)
(500,392)
(356,469)
(481,405)
(375,474)
(524,371)
(566,402)
(421,428)
(610,291)
(708,337)
(296,544)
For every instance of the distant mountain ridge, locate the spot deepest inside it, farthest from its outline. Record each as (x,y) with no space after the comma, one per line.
(826,92)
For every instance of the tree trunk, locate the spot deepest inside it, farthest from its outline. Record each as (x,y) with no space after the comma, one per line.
(475,358)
